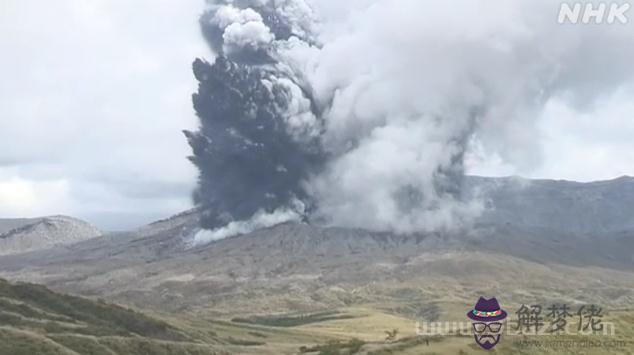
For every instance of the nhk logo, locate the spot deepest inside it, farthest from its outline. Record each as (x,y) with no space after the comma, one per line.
(597,13)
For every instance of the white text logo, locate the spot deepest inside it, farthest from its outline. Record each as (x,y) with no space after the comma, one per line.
(593,13)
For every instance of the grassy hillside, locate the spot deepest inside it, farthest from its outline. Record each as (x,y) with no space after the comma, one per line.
(362,336)
(35,320)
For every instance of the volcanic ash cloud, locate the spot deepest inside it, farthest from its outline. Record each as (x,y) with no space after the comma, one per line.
(364,111)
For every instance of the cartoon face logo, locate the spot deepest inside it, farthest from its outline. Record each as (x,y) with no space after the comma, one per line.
(487,322)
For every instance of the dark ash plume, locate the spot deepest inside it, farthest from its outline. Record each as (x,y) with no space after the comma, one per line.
(254,147)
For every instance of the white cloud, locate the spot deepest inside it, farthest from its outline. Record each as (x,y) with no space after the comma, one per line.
(259,220)
(588,145)
(242,27)
(227,15)
(98,92)
(575,144)
(250,34)
(21,197)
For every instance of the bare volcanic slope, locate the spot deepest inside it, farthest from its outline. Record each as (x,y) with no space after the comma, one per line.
(592,208)
(293,267)
(23,235)
(297,267)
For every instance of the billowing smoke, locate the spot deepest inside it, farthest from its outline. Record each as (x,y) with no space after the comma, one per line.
(258,139)
(362,112)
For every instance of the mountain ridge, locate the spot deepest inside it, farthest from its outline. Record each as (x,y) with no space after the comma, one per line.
(24,235)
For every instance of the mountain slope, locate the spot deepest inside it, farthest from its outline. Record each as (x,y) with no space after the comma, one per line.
(35,320)
(22,235)
(566,206)
(302,267)
(7,224)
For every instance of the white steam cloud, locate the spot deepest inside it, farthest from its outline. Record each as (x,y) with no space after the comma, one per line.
(242,28)
(260,220)
(406,85)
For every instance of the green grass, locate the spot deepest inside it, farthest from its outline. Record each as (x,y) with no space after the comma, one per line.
(15,342)
(36,320)
(243,342)
(81,344)
(404,344)
(293,320)
(335,347)
(37,302)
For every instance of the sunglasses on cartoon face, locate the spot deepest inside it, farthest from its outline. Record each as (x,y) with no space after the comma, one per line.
(480,327)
